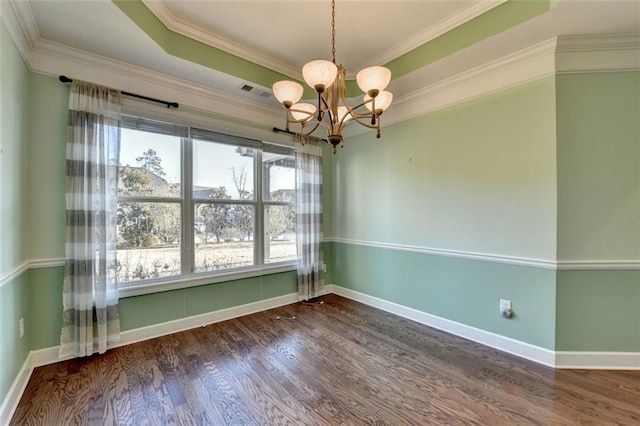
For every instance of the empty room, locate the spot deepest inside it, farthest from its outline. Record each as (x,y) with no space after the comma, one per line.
(319,212)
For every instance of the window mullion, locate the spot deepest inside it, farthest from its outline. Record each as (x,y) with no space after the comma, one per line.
(259,240)
(187,207)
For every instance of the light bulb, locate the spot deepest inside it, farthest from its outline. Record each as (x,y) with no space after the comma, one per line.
(287,92)
(319,74)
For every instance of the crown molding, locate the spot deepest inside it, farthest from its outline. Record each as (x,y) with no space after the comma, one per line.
(453,21)
(51,58)
(524,66)
(601,53)
(54,59)
(558,55)
(186,29)
(21,25)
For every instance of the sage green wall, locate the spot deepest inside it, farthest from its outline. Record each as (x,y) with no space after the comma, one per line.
(45,301)
(461,290)
(477,177)
(47,153)
(598,311)
(14,86)
(599,166)
(14,78)
(598,210)
(13,349)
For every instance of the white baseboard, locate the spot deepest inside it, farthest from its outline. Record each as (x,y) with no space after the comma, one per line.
(562,359)
(47,356)
(50,355)
(559,359)
(505,344)
(16,390)
(598,360)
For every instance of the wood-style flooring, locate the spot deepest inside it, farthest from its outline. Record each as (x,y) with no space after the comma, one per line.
(339,362)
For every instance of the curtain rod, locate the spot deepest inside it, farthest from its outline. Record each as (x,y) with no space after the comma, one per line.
(65,79)
(277,130)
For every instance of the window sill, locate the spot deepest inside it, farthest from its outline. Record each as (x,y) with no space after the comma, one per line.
(167,284)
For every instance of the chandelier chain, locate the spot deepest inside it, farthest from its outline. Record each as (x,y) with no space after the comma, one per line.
(333,30)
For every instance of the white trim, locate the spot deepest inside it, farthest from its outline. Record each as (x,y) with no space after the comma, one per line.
(47,263)
(510,260)
(32,264)
(50,355)
(51,58)
(151,286)
(506,344)
(433,31)
(558,55)
(14,274)
(598,360)
(581,265)
(11,400)
(564,359)
(522,67)
(575,265)
(187,29)
(193,32)
(602,53)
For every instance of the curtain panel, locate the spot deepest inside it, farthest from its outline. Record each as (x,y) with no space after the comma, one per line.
(90,300)
(310,266)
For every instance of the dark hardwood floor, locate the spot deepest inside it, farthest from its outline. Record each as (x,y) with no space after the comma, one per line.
(339,362)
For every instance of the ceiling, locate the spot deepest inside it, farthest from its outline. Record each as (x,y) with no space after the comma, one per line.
(283,35)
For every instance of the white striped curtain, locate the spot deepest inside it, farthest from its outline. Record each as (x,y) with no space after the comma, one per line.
(309,217)
(90,301)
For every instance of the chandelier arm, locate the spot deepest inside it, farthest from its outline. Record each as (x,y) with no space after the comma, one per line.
(365,124)
(328,109)
(294,120)
(303,125)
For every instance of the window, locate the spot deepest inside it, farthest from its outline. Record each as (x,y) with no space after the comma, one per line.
(193,204)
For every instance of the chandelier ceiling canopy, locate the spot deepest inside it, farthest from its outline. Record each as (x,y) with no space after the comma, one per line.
(333,111)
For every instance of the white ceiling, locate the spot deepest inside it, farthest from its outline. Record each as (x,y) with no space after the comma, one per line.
(283,35)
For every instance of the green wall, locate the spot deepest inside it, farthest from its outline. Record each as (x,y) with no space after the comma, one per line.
(461,290)
(599,166)
(47,153)
(45,302)
(549,170)
(478,177)
(14,86)
(14,91)
(598,210)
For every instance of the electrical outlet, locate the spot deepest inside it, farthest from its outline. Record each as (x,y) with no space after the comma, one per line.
(505,308)
(21,328)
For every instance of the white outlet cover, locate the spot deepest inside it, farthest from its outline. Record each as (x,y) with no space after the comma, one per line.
(504,305)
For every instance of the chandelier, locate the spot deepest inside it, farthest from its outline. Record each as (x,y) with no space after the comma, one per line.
(333,111)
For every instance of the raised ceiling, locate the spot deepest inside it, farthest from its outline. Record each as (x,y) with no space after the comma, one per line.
(277,37)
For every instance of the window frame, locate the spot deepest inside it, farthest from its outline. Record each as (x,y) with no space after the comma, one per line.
(188,277)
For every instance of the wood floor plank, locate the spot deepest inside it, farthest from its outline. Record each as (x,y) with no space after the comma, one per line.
(337,362)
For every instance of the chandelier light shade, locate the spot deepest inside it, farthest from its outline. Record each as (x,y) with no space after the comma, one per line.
(287,92)
(319,74)
(333,111)
(373,79)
